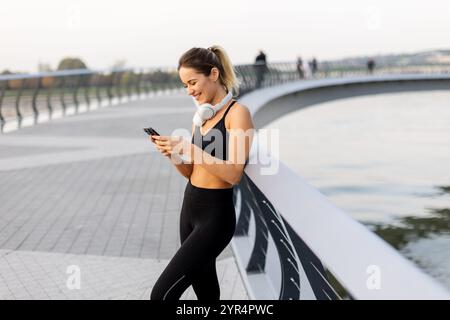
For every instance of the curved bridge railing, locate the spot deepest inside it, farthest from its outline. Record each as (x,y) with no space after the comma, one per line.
(292,243)
(27,99)
(31,98)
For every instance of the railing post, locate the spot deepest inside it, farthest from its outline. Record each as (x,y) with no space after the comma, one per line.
(98,85)
(243,222)
(268,221)
(146,81)
(87,87)
(138,84)
(110,85)
(118,82)
(33,101)
(4,85)
(62,93)
(129,83)
(75,86)
(51,83)
(19,94)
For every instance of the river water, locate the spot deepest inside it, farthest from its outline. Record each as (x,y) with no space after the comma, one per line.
(385,160)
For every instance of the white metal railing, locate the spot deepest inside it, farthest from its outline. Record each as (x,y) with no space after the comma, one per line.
(314,232)
(365,265)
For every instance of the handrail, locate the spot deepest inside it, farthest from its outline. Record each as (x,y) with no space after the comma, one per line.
(291,242)
(312,240)
(38,96)
(31,98)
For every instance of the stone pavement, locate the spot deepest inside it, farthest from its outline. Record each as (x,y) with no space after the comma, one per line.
(58,276)
(88,196)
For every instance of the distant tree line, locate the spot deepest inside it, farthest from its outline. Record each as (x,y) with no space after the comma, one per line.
(120,78)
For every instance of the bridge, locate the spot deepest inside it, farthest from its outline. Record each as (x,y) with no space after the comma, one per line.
(90,209)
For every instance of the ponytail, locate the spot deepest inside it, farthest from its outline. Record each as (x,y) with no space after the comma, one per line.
(228,77)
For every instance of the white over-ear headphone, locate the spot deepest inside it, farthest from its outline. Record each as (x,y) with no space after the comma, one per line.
(206,111)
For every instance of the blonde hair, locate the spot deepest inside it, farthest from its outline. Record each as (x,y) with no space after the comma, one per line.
(203,60)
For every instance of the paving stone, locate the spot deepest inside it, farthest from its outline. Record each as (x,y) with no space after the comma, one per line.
(90,190)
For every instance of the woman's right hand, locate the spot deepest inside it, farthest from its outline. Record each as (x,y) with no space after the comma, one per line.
(162,151)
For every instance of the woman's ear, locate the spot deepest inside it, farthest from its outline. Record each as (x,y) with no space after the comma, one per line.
(214,75)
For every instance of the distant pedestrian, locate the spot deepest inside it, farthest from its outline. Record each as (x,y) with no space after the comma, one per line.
(370,65)
(260,68)
(300,69)
(313,66)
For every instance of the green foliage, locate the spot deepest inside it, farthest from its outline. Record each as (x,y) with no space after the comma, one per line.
(71,63)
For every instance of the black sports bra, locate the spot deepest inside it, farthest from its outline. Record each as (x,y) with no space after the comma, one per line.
(208,141)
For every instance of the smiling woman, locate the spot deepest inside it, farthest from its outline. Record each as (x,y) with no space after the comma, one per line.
(217,156)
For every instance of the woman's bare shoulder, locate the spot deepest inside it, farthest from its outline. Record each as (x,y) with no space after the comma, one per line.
(239,114)
(239,109)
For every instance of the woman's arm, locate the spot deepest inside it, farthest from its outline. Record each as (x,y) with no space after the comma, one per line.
(185,169)
(240,141)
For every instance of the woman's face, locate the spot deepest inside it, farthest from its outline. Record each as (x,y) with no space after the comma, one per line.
(202,88)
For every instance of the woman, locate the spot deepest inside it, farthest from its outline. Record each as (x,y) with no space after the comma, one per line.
(207,219)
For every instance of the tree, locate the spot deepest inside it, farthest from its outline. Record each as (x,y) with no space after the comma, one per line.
(71,63)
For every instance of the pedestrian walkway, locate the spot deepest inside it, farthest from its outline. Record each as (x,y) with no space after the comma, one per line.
(90,190)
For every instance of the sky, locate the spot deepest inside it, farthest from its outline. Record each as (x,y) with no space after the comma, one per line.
(146,33)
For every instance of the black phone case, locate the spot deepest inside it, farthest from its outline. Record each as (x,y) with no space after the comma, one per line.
(151,131)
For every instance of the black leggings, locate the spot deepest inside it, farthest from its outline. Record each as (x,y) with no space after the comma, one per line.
(207,224)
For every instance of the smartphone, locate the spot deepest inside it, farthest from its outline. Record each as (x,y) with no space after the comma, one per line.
(151,131)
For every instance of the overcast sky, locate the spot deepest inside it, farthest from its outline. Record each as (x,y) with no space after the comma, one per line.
(154,33)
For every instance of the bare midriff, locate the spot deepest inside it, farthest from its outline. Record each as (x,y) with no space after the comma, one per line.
(200,177)
(203,179)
